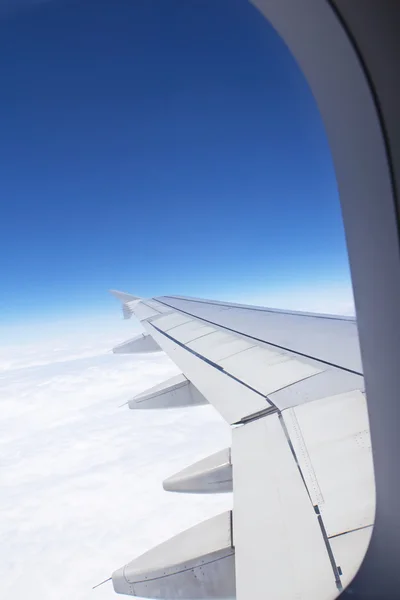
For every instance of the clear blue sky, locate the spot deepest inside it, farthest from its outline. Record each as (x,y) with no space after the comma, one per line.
(157,146)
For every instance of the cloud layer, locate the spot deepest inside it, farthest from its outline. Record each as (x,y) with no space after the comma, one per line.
(80,477)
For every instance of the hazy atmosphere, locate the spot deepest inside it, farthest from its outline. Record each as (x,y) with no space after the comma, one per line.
(158,147)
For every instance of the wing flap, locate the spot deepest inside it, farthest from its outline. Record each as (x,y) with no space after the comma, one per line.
(333,447)
(276,532)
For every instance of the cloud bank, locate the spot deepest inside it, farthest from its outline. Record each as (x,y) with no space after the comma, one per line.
(80,477)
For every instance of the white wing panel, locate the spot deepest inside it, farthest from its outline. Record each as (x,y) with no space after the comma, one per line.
(264,370)
(142,311)
(254,358)
(161,308)
(190,331)
(327,383)
(280,552)
(349,550)
(332,443)
(332,339)
(219,345)
(231,398)
(168,321)
(267,371)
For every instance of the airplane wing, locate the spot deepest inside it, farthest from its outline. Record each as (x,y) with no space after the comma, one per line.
(291,386)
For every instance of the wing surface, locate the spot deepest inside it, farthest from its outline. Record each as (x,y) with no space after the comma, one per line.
(291,386)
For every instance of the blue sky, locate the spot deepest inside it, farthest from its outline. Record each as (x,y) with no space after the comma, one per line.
(160,147)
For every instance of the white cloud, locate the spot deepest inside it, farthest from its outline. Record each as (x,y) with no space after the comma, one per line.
(80,477)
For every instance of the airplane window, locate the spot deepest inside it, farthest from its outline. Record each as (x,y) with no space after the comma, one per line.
(175,151)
